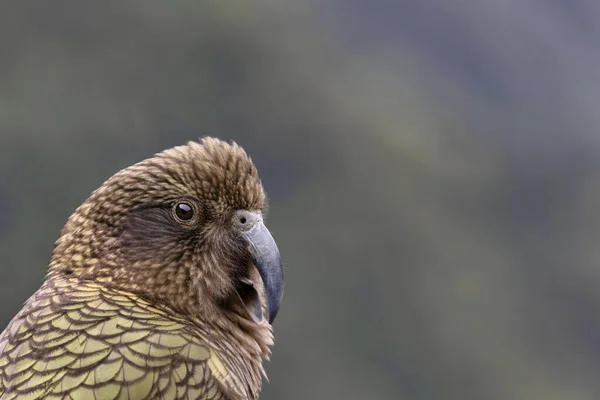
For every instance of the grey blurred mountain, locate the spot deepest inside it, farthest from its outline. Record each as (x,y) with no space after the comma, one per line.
(432,168)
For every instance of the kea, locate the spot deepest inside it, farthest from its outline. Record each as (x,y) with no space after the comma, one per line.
(163,284)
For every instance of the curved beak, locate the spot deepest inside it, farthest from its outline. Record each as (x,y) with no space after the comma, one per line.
(268,262)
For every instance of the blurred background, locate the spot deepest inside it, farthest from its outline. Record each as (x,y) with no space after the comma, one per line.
(433,169)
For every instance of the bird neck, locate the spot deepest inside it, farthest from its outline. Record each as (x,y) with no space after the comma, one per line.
(244,345)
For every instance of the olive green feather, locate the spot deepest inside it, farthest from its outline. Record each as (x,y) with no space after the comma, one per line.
(80,340)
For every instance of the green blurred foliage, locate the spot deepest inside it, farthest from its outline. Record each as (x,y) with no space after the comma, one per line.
(432,168)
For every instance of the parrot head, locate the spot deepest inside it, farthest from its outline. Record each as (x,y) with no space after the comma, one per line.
(184,229)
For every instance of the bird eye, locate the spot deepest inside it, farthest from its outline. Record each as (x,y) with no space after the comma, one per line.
(184,211)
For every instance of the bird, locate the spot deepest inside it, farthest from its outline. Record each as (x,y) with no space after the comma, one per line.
(163,284)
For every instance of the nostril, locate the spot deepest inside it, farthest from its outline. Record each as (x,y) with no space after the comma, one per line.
(244,220)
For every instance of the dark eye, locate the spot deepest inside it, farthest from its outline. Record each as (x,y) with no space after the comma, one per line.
(184,211)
